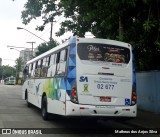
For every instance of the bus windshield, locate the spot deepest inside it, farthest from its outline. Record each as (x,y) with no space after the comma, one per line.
(12,78)
(95,52)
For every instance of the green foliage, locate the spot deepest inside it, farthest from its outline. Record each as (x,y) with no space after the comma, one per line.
(46,46)
(19,66)
(133,21)
(47,9)
(148,25)
(7,71)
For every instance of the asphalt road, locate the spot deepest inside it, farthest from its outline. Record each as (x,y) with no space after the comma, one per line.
(15,114)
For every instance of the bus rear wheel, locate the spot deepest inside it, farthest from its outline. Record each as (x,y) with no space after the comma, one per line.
(44,108)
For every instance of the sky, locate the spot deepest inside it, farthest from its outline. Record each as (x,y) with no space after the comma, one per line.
(10,19)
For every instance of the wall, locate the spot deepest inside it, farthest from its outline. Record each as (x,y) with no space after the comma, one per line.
(148,90)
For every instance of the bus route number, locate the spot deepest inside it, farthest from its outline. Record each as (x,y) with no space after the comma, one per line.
(105,86)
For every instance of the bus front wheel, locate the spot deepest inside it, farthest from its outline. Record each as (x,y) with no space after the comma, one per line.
(28,103)
(44,108)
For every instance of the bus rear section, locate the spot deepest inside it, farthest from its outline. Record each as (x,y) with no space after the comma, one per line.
(105,80)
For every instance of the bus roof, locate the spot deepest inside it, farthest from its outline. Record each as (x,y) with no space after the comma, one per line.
(71,40)
(50,51)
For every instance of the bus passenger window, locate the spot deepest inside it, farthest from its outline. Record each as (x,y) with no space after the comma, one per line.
(52,66)
(44,62)
(58,57)
(30,69)
(44,68)
(52,59)
(39,64)
(61,64)
(48,60)
(63,55)
(38,68)
(33,70)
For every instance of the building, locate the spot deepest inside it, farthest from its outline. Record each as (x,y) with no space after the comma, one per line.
(26,55)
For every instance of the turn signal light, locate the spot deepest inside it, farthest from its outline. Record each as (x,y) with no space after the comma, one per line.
(74,97)
(134,98)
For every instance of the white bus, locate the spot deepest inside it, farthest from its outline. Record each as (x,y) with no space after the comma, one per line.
(87,77)
(10,81)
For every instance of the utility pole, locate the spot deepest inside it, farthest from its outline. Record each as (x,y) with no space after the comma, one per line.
(51,31)
(32,47)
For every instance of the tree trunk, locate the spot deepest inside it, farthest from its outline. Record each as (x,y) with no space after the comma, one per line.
(120,29)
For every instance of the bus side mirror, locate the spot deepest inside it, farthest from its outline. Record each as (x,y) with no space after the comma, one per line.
(25,71)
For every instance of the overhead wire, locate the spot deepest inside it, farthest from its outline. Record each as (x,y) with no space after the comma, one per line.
(45,30)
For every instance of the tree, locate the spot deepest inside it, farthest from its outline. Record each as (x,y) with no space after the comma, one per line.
(99,17)
(133,21)
(45,47)
(7,71)
(19,66)
(47,9)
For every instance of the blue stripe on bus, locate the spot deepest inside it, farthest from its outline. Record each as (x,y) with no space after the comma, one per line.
(71,77)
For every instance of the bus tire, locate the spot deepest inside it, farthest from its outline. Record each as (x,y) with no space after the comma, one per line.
(44,108)
(28,103)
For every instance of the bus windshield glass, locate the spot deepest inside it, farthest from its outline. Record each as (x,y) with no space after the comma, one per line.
(12,78)
(89,53)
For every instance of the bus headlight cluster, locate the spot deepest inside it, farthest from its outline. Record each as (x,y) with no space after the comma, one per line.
(134,97)
(74,97)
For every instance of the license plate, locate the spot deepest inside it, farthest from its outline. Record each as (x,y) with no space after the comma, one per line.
(105,99)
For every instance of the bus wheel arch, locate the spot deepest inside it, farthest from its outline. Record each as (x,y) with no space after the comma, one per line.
(44,112)
(26,98)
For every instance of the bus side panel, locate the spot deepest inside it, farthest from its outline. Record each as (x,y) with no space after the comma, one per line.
(62,86)
(32,89)
(55,89)
(56,107)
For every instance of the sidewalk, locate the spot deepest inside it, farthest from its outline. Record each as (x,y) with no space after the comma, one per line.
(146,119)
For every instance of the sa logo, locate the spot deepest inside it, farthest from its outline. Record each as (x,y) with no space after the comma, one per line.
(83,79)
